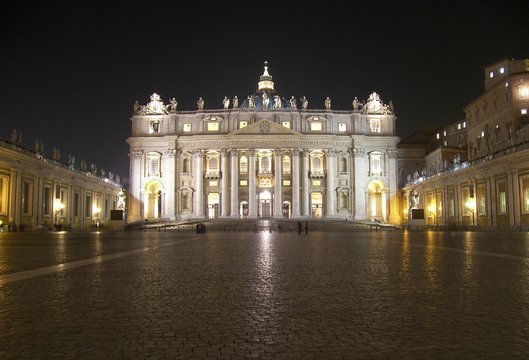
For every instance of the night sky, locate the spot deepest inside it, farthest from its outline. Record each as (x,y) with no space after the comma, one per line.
(71,70)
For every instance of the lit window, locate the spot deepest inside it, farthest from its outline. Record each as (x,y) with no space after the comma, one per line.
(506,84)
(213,183)
(187,127)
(243,124)
(524,111)
(483,134)
(502,203)
(286,165)
(243,165)
(523,91)
(154,127)
(316,182)
(445,143)
(375,164)
(444,133)
(243,182)
(265,182)
(213,126)
(374,125)
(286,124)
(491,74)
(502,70)
(437,136)
(464,124)
(342,127)
(315,126)
(526,198)
(458,126)
(264,165)
(286,182)
(153,161)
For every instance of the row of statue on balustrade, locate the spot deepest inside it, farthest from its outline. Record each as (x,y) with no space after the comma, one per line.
(38,149)
(373,105)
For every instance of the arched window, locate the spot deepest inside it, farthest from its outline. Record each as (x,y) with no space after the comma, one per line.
(213,164)
(286,165)
(185,165)
(264,165)
(243,165)
(316,164)
(343,165)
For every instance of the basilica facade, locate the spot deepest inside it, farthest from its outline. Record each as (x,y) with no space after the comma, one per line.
(264,156)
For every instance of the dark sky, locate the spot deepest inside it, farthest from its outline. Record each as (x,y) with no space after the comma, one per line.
(71,70)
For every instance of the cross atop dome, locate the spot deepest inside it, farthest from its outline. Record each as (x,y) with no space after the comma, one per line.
(265,80)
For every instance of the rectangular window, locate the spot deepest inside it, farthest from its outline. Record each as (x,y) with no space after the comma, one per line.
(286,124)
(76,204)
(27,195)
(187,127)
(243,183)
(47,201)
(342,127)
(213,126)
(243,124)
(213,183)
(88,206)
(482,205)
(502,203)
(374,125)
(265,182)
(315,126)
(286,182)
(154,127)
(451,207)
(523,111)
(316,182)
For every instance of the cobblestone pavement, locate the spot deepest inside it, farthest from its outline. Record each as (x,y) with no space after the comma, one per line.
(324,295)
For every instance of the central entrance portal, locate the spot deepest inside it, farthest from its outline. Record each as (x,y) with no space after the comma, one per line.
(265,204)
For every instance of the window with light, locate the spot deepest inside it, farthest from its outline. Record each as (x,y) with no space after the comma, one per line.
(286,165)
(286,124)
(243,165)
(315,126)
(342,127)
(213,126)
(187,127)
(153,161)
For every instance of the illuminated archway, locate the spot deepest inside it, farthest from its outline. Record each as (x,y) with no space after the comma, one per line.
(376,203)
(152,204)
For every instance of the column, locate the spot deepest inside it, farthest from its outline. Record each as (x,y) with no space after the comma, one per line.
(234,155)
(352,194)
(225,192)
(278,206)
(510,198)
(305,184)
(394,216)
(516,197)
(331,175)
(252,206)
(493,202)
(198,175)
(295,183)
(168,174)
(135,200)
(361,169)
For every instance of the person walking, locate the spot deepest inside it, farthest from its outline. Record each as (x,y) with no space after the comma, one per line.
(306,227)
(299,227)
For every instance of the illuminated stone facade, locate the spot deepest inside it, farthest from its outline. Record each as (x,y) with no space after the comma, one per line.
(263,157)
(476,171)
(37,192)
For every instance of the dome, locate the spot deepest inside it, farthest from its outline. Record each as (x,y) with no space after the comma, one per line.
(266,97)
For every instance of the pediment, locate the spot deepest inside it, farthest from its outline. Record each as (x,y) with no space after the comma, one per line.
(264,127)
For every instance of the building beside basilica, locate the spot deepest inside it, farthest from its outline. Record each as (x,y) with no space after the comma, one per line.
(40,193)
(475,171)
(263,156)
